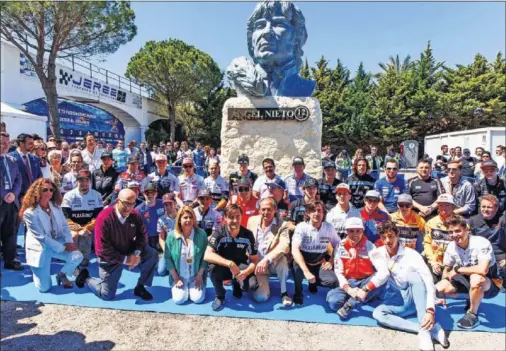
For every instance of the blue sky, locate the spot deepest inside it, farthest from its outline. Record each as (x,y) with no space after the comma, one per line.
(351,31)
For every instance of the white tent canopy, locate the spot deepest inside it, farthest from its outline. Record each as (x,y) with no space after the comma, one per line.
(18,121)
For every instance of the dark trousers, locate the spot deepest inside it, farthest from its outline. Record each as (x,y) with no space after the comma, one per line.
(220,273)
(8,230)
(154,242)
(110,273)
(326,279)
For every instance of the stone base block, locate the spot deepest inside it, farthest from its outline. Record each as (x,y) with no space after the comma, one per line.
(280,140)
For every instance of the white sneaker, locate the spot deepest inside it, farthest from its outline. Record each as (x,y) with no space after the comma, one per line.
(426,343)
(437,333)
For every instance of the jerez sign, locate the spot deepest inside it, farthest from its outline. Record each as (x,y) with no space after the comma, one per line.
(299,114)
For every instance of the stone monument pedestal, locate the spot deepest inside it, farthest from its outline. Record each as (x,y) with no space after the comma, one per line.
(280,128)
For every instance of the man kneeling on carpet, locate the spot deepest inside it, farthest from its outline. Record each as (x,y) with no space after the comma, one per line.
(232,254)
(411,290)
(470,270)
(358,277)
(184,254)
(120,240)
(47,235)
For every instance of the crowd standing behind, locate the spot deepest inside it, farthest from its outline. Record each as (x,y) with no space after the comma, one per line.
(168,210)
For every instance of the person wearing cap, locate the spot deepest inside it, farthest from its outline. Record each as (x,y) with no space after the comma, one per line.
(245,200)
(437,237)
(390,187)
(343,210)
(151,209)
(359,279)
(217,185)
(277,191)
(104,178)
(244,171)
(468,163)
(260,188)
(120,241)
(69,180)
(373,216)
(462,190)
(165,181)
(360,182)
(136,188)
(327,185)
(491,224)
(120,157)
(410,225)
(298,211)
(424,190)
(295,181)
(189,183)
(231,254)
(491,184)
(208,218)
(81,206)
(91,154)
(273,242)
(311,243)
(164,225)
(131,174)
(410,290)
(470,268)
(485,156)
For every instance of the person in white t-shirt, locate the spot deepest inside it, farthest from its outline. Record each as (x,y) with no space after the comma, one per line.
(260,188)
(411,290)
(189,184)
(470,270)
(91,154)
(343,210)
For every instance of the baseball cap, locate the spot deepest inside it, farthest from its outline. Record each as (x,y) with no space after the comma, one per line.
(329,164)
(343,186)
(354,223)
(243,181)
(105,155)
(187,160)
(133,184)
(297,161)
(133,159)
(83,174)
(277,183)
(150,187)
(204,193)
(373,194)
(466,151)
(310,182)
(445,199)
(243,160)
(488,163)
(160,157)
(168,197)
(405,198)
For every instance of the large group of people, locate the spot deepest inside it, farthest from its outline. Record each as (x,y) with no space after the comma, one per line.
(409,243)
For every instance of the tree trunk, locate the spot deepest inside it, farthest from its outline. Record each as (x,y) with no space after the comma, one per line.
(49,87)
(172,116)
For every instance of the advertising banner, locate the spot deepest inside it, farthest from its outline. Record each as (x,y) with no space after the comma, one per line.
(77,120)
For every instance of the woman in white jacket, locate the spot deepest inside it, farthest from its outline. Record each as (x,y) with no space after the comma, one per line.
(48,235)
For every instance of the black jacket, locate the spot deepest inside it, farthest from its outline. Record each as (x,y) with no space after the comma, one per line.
(104,182)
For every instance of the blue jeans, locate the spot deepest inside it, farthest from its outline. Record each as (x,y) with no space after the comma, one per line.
(162,267)
(403,303)
(337,297)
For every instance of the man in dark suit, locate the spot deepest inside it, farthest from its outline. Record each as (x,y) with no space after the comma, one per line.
(10,187)
(28,164)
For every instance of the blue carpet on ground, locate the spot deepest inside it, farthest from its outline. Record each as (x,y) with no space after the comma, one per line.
(18,286)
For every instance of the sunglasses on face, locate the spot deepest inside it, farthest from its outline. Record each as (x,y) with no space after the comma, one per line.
(187,166)
(45,190)
(404,205)
(243,189)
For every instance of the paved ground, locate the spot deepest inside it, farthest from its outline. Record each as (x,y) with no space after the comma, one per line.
(26,326)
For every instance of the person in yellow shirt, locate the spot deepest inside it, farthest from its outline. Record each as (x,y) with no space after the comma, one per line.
(437,237)
(410,225)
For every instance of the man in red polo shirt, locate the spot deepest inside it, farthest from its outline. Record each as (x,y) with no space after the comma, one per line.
(245,200)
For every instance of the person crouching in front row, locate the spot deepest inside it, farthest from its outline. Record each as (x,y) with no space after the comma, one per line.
(120,240)
(184,254)
(232,254)
(359,279)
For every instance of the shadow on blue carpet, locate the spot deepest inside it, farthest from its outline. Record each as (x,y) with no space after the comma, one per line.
(18,286)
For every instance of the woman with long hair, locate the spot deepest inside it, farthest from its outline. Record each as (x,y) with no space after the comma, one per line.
(360,182)
(48,235)
(40,150)
(359,153)
(184,254)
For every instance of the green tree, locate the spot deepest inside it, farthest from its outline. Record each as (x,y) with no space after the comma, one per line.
(47,30)
(175,72)
(304,71)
